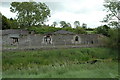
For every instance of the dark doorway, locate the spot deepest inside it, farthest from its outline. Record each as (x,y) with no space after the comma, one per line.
(76,38)
(47,39)
(15,40)
(91,42)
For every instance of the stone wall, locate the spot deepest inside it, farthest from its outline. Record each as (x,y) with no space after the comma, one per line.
(39,40)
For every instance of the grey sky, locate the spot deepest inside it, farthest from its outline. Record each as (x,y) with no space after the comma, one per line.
(86,11)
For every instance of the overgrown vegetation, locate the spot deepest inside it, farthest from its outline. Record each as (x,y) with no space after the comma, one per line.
(112,20)
(60,63)
(98,70)
(45,29)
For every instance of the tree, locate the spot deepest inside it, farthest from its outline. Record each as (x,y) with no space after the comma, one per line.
(69,25)
(14,23)
(63,24)
(84,25)
(30,13)
(54,24)
(113,9)
(77,24)
(103,30)
(5,23)
(113,39)
(112,18)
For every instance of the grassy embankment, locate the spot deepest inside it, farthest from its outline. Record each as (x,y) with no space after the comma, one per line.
(61,63)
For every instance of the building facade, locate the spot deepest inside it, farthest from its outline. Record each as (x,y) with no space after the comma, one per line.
(26,39)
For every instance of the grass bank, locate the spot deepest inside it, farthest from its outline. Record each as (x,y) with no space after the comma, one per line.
(61,63)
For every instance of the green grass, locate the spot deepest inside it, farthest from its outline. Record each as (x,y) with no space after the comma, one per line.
(61,63)
(90,32)
(98,70)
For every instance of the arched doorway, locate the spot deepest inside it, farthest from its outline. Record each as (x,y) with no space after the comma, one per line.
(47,39)
(76,39)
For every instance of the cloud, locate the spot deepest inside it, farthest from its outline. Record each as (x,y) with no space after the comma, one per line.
(93,19)
(86,11)
(6,12)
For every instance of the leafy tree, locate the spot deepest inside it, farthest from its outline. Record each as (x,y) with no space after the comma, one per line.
(103,30)
(54,24)
(63,24)
(14,24)
(30,13)
(84,25)
(5,23)
(69,25)
(112,18)
(113,39)
(113,8)
(77,24)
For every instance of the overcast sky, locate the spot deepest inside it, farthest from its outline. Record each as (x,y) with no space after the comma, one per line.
(86,11)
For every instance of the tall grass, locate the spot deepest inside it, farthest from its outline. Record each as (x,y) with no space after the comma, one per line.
(98,70)
(58,63)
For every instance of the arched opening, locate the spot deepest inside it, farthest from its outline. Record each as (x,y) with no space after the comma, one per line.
(92,42)
(15,40)
(48,39)
(76,38)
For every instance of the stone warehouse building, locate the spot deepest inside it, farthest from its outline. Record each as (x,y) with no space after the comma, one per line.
(24,39)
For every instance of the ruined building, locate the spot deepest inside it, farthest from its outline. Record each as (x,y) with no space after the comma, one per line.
(24,39)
